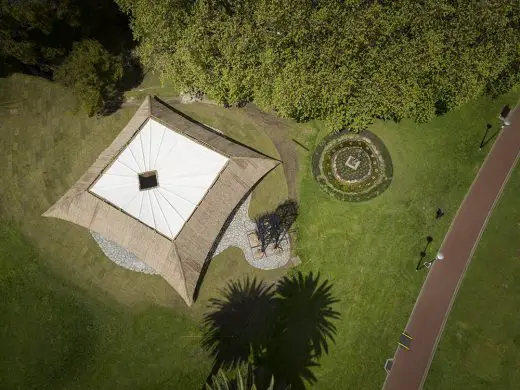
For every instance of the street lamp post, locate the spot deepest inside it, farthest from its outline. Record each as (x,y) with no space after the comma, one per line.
(504,116)
(439,256)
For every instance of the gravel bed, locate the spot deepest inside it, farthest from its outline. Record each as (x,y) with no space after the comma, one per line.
(236,235)
(121,256)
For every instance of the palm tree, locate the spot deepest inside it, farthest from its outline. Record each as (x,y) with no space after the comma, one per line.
(304,308)
(243,380)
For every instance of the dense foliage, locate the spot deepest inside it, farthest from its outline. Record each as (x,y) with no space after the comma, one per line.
(92,73)
(243,380)
(344,61)
(38,36)
(30,33)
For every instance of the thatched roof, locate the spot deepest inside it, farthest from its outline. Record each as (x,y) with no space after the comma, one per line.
(179,260)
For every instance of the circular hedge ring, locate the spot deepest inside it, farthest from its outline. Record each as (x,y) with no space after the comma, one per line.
(352,167)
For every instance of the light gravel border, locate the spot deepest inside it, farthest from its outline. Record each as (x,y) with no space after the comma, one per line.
(121,256)
(234,236)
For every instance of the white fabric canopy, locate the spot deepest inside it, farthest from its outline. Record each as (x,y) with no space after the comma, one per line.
(185,172)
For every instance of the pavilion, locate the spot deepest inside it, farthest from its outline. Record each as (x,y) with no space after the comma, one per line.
(163,190)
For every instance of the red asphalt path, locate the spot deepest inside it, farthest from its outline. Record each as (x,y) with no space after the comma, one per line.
(440,288)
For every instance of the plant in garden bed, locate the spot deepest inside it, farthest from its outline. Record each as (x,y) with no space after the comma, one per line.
(352,167)
(272,227)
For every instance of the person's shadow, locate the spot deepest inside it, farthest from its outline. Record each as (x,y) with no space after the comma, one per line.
(282,330)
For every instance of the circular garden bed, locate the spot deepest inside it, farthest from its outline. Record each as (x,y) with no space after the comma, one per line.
(352,167)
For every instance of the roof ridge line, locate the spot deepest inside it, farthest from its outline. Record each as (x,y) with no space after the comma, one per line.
(183,274)
(204,126)
(257,158)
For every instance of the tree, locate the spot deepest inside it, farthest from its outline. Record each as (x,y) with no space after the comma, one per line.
(92,73)
(35,34)
(346,62)
(243,380)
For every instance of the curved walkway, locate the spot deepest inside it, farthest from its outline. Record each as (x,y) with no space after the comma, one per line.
(433,305)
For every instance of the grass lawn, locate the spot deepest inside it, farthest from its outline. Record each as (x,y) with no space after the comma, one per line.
(480,348)
(55,335)
(369,250)
(59,290)
(95,325)
(150,85)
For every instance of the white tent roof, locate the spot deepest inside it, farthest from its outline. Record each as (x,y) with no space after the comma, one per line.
(185,172)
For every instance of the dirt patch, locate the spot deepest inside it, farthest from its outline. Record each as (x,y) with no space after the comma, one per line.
(279,132)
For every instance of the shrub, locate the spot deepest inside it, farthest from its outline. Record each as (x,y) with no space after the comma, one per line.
(92,73)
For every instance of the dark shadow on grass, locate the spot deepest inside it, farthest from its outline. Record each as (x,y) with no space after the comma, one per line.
(273,226)
(132,77)
(48,334)
(282,330)
(213,248)
(420,264)
(441,107)
(486,140)
(238,324)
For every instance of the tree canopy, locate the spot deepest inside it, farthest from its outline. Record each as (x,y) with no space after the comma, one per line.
(82,43)
(343,61)
(36,36)
(92,73)
(29,33)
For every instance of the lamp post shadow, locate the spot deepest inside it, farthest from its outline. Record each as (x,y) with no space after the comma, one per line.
(485,141)
(420,264)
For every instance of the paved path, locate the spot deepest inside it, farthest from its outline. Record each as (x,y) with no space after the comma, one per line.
(440,288)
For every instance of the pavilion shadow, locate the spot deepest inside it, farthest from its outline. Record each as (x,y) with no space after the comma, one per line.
(213,248)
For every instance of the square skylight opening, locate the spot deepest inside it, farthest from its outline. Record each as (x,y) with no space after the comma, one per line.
(148,180)
(187,169)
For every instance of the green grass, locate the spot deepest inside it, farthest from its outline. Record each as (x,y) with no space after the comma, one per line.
(56,335)
(64,297)
(150,85)
(72,319)
(369,250)
(480,348)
